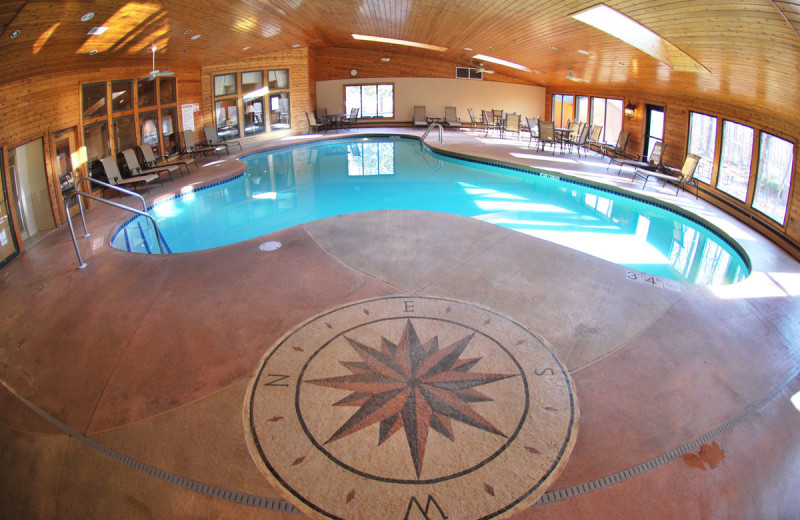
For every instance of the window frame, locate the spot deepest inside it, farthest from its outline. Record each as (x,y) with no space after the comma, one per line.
(758,176)
(361,98)
(747,200)
(713,162)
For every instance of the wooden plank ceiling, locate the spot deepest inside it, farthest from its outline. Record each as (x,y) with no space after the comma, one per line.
(750,48)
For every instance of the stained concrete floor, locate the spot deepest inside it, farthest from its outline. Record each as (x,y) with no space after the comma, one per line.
(144,361)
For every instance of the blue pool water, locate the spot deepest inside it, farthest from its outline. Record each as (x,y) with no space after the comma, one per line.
(303,183)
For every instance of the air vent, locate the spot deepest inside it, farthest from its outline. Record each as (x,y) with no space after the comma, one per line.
(469,73)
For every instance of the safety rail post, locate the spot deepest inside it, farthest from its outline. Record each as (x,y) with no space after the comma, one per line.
(80,194)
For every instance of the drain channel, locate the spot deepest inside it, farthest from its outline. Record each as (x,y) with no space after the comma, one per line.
(281,505)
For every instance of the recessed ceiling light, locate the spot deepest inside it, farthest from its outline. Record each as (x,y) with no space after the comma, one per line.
(92,53)
(393,41)
(87,17)
(621,62)
(187,31)
(97,30)
(554,47)
(384,59)
(196,36)
(467,48)
(296,45)
(583,51)
(15,33)
(183,50)
(246,48)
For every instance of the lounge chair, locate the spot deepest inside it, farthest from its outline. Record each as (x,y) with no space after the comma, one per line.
(189,146)
(451,118)
(420,118)
(212,139)
(487,121)
(652,163)
(547,134)
(682,177)
(114,177)
(150,160)
(136,169)
(619,148)
(512,124)
(314,123)
(581,140)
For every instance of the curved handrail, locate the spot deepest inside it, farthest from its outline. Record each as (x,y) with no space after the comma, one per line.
(79,194)
(441,132)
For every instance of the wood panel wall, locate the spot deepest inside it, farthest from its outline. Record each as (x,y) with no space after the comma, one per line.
(336,63)
(41,106)
(676,132)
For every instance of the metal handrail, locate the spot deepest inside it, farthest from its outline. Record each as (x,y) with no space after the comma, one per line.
(441,132)
(79,194)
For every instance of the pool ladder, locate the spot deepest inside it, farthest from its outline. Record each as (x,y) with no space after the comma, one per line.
(79,194)
(441,132)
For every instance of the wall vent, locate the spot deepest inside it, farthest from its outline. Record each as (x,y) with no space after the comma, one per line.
(469,73)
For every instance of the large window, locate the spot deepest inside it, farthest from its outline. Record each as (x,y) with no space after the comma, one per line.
(122,95)
(279,118)
(582,112)
(253,102)
(608,114)
(703,142)
(775,164)
(94,100)
(655,127)
(736,158)
(370,100)
(563,109)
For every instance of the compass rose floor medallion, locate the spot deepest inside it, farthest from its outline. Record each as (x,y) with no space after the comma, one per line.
(411,408)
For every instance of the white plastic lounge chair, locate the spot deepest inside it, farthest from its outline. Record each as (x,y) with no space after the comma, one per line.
(115,178)
(150,160)
(137,170)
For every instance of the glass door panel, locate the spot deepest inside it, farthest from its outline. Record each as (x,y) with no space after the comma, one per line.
(227,115)
(169,131)
(148,126)
(8,241)
(655,128)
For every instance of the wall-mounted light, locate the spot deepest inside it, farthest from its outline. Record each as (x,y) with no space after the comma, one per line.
(630,109)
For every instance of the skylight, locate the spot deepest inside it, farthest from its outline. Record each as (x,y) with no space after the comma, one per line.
(399,42)
(633,33)
(498,61)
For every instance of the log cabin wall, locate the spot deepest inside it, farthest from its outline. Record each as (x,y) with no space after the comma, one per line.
(676,135)
(302,89)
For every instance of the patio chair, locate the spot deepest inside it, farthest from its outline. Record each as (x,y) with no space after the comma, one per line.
(189,146)
(619,148)
(352,119)
(150,161)
(420,117)
(315,124)
(580,141)
(652,163)
(533,128)
(512,124)
(594,137)
(474,123)
(115,177)
(682,177)
(451,118)
(487,121)
(136,169)
(212,139)
(547,134)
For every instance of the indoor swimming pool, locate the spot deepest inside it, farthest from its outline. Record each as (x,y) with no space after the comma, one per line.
(298,184)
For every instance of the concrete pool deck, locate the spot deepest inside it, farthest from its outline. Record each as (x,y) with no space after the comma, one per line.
(151,357)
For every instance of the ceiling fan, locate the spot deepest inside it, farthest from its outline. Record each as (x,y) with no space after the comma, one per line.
(483,70)
(572,77)
(156,73)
